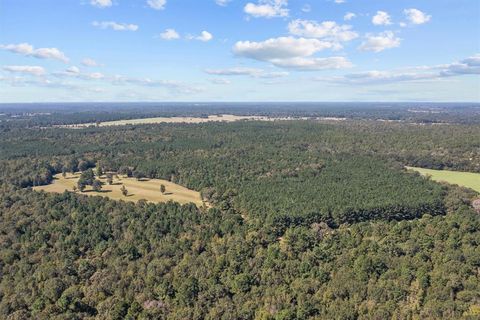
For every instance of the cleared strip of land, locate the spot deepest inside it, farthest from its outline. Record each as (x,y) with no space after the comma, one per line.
(466,179)
(211,118)
(148,189)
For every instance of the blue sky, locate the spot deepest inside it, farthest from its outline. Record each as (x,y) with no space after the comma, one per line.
(253,50)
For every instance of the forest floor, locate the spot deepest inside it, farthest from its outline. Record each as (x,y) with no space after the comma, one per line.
(148,189)
(466,179)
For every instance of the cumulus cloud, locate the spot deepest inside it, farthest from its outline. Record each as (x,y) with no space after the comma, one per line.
(41,53)
(380,42)
(205,36)
(169,34)
(349,16)
(157,4)
(115,26)
(242,71)
(101,3)
(416,16)
(292,53)
(87,62)
(382,18)
(31,70)
(328,30)
(267,9)
(73,70)
(280,48)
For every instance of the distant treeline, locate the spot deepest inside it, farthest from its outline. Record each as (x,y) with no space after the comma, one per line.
(73,113)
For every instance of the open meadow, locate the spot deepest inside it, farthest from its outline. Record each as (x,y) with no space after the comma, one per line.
(466,179)
(192,120)
(147,189)
(210,118)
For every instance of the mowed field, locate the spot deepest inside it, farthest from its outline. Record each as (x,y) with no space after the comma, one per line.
(466,179)
(148,189)
(211,118)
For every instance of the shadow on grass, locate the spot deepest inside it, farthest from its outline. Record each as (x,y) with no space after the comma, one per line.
(101,191)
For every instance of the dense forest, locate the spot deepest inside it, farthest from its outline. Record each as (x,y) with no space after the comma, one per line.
(47,114)
(309,220)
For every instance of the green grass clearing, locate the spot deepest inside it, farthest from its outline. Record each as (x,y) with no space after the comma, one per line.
(466,179)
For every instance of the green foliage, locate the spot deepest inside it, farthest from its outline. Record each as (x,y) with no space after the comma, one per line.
(93,257)
(309,221)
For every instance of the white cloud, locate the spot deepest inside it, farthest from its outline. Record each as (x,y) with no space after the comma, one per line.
(349,16)
(242,71)
(468,66)
(73,70)
(416,16)
(372,77)
(169,34)
(174,86)
(222,3)
(313,64)
(328,30)
(204,36)
(101,3)
(280,48)
(382,18)
(157,4)
(87,62)
(31,70)
(380,42)
(339,1)
(21,48)
(50,53)
(220,81)
(267,8)
(96,75)
(41,53)
(292,53)
(115,26)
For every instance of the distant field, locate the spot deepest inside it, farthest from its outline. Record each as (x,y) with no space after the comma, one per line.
(148,189)
(211,118)
(466,179)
